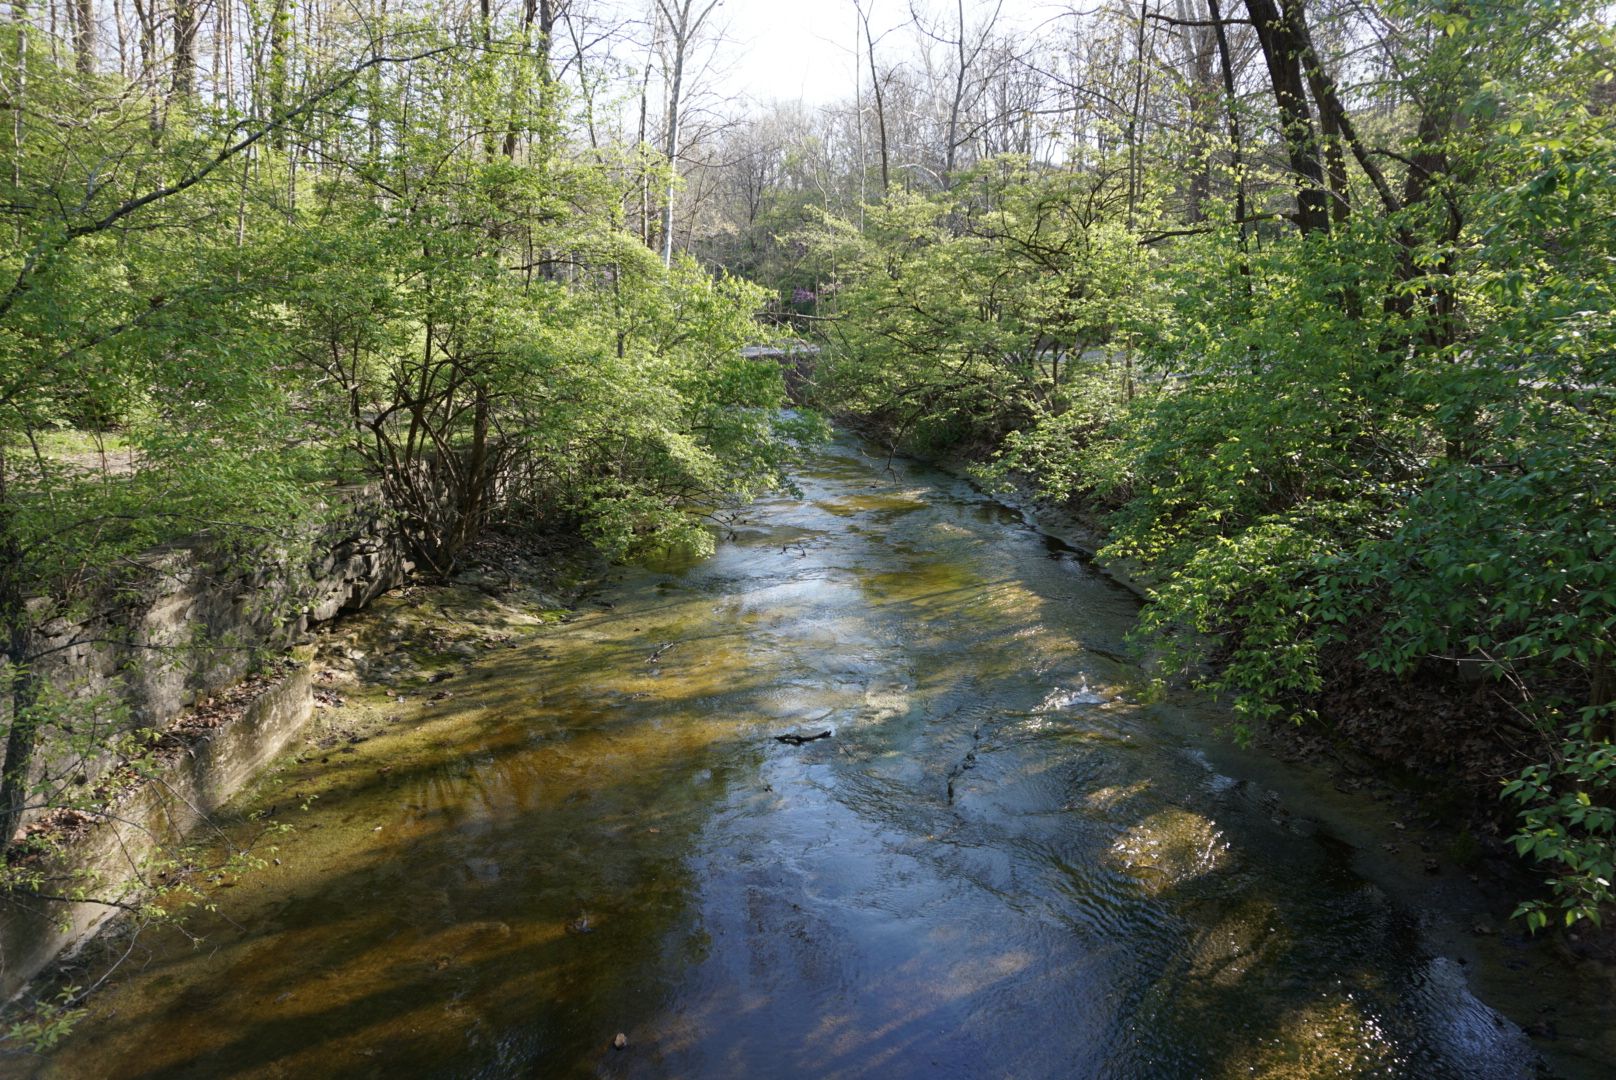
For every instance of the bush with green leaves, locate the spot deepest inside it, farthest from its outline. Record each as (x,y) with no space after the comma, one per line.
(1505,553)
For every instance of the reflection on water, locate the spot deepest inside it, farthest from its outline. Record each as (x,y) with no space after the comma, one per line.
(999,865)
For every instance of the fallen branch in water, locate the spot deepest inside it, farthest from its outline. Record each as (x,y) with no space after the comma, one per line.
(794,739)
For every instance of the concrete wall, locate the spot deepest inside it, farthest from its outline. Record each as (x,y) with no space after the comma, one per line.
(111,861)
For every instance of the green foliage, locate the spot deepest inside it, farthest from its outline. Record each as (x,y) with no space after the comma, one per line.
(1278,436)
(1505,553)
(1569,823)
(46,1023)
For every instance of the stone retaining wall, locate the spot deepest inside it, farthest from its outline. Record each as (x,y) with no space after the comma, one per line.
(110,861)
(186,620)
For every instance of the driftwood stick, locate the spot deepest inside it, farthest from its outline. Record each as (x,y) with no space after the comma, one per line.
(794,739)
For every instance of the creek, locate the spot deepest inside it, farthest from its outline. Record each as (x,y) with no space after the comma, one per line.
(1008,860)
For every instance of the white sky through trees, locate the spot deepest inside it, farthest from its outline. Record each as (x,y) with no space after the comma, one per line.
(803,49)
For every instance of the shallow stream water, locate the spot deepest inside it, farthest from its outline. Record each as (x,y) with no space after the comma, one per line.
(1005,862)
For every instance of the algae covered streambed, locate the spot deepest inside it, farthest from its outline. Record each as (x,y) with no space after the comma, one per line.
(1006,862)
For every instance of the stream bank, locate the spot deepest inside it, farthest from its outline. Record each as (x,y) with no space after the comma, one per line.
(339,687)
(1411,767)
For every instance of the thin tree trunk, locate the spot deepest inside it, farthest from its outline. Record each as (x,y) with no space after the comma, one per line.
(645,176)
(1230,101)
(226,45)
(373,88)
(1204,95)
(146,13)
(19,11)
(545,11)
(685,24)
(148,40)
(184,48)
(585,83)
(1139,69)
(1335,161)
(280,32)
(519,91)
(672,151)
(958,97)
(1338,120)
(121,24)
(858,118)
(485,25)
(215,60)
(880,104)
(84,36)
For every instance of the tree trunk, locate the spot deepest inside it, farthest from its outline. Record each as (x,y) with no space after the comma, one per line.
(184,48)
(1335,161)
(958,97)
(146,13)
(485,30)
(280,27)
(1204,96)
(880,105)
(16,632)
(684,24)
(1282,48)
(671,146)
(121,27)
(545,13)
(1230,101)
(84,36)
(1139,69)
(148,39)
(19,11)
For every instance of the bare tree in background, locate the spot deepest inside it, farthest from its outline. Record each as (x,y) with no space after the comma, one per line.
(682,21)
(968,45)
(863,8)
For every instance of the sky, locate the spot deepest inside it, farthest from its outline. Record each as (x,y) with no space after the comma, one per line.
(803,49)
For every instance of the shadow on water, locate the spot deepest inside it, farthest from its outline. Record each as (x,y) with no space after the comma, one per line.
(1002,863)
(521,879)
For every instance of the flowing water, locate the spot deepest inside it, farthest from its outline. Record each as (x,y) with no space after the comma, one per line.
(1005,861)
